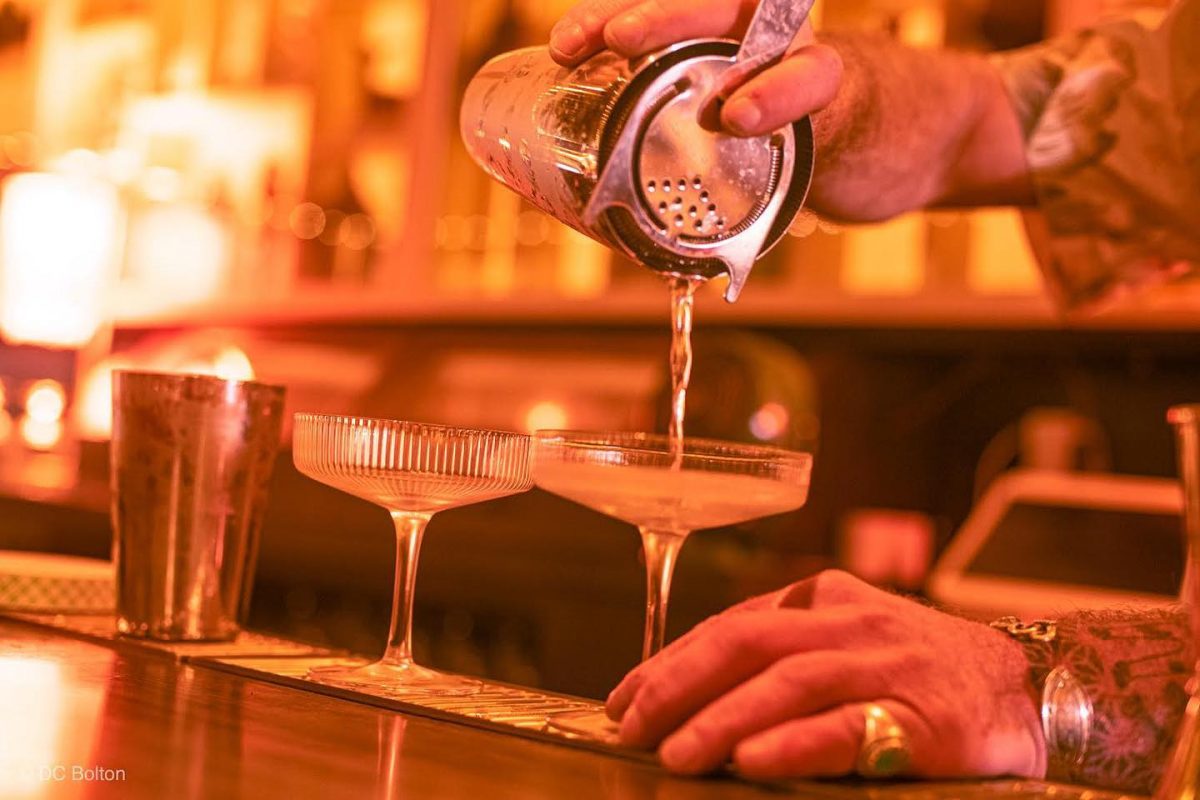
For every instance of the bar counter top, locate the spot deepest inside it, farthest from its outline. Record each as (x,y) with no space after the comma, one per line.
(82,720)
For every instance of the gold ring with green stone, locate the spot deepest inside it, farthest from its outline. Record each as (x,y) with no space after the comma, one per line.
(885,747)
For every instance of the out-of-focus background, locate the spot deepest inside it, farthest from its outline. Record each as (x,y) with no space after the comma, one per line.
(276,189)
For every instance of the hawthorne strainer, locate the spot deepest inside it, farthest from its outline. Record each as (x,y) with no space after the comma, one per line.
(626,152)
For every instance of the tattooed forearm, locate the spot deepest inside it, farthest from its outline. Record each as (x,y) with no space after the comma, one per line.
(1134,666)
(1091,104)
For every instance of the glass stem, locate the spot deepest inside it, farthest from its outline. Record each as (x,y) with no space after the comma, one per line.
(409,529)
(661,548)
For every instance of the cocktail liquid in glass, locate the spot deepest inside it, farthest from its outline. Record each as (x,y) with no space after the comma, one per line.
(667,492)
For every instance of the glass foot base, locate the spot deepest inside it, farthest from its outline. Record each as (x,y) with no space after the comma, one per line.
(396,679)
(594,725)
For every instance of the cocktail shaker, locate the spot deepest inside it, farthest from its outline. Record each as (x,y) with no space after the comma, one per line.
(622,152)
(191,460)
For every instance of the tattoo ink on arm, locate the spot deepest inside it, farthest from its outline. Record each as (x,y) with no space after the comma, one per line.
(1135,666)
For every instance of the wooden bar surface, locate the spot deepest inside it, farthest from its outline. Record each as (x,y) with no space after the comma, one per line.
(85,720)
(149,727)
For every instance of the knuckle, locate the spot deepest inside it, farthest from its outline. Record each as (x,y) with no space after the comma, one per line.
(834,585)
(836,578)
(879,624)
(910,659)
(653,694)
(796,595)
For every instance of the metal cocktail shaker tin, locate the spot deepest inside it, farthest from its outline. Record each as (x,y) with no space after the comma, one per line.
(191,461)
(619,151)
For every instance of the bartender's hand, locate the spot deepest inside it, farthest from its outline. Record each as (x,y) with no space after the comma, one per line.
(805,81)
(897,128)
(777,685)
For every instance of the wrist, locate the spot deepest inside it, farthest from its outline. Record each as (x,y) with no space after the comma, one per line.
(849,124)
(990,166)
(1025,662)
(1063,704)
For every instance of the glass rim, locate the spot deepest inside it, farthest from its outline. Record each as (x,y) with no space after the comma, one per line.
(659,444)
(167,376)
(359,419)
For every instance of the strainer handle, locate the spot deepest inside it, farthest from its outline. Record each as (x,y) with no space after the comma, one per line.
(774,26)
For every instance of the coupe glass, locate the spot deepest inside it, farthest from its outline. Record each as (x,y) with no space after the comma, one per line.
(636,478)
(413,470)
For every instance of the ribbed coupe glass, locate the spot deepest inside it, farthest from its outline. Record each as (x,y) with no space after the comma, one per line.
(413,470)
(640,479)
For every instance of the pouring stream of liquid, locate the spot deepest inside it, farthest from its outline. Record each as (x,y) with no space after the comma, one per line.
(683,296)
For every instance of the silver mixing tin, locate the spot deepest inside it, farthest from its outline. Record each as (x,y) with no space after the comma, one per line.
(617,150)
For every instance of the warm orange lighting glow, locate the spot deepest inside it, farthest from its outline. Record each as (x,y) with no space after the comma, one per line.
(393,36)
(584,265)
(93,406)
(805,224)
(41,435)
(887,546)
(122,165)
(162,184)
(1000,260)
(357,232)
(307,220)
(533,228)
(546,415)
(888,258)
(233,364)
(498,274)
(230,363)
(86,163)
(452,233)
(30,715)
(247,145)
(333,227)
(20,148)
(922,25)
(58,247)
(769,422)
(45,401)
(179,253)
(195,366)
(6,423)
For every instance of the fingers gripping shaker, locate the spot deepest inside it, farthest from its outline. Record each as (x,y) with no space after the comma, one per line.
(626,152)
